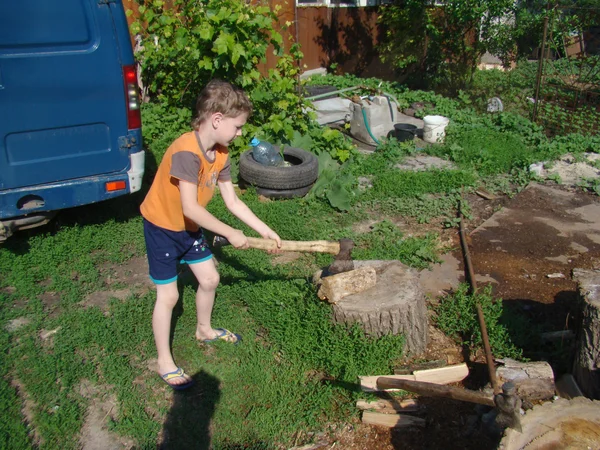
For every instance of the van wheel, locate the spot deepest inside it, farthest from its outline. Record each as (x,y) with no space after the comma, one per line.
(302,172)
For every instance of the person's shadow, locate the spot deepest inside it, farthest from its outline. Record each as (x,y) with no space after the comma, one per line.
(188,422)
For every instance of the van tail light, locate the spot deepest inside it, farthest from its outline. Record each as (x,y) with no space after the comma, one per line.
(132,94)
(112,186)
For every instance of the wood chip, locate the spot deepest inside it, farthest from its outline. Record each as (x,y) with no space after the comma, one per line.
(386,406)
(392,420)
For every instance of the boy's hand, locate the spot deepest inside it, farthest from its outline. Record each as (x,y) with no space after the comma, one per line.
(238,239)
(270,234)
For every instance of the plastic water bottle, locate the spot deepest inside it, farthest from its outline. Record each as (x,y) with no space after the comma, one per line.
(264,153)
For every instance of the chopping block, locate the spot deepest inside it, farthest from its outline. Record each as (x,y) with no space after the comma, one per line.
(383,297)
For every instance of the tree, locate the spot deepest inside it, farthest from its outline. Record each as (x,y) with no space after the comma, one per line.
(442,43)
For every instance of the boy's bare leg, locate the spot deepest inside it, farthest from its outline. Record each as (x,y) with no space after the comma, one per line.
(208,280)
(166,299)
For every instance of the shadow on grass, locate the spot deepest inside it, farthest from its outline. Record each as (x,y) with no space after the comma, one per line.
(188,422)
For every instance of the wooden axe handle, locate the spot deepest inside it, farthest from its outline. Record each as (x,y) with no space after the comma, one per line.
(436,390)
(296,246)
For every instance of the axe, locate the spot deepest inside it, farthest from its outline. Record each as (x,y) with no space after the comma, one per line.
(342,249)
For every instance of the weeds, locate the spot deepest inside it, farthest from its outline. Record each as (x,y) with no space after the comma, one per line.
(456,315)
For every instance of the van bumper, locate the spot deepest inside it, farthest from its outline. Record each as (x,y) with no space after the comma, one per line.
(54,196)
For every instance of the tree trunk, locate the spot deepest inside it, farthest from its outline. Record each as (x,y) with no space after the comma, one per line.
(586,368)
(395,305)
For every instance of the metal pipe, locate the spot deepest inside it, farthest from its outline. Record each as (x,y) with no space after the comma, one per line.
(483,328)
(327,94)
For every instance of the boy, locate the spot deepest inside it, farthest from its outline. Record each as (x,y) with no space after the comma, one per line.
(174,216)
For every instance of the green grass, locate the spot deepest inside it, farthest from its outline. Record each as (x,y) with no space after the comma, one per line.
(295,371)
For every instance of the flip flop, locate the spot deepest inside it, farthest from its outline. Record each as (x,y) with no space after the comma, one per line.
(224,335)
(179,373)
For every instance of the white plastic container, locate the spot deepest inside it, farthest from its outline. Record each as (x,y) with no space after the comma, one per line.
(434,129)
(380,116)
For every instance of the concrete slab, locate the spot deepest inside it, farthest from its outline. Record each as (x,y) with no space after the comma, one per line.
(528,249)
(424,162)
(542,232)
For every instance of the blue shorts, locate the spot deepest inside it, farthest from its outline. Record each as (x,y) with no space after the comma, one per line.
(166,248)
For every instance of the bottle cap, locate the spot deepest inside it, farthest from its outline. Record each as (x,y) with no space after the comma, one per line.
(254,142)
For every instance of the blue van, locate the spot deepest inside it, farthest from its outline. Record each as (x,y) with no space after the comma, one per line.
(70,124)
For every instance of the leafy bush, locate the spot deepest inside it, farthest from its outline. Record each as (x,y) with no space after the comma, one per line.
(456,315)
(186,44)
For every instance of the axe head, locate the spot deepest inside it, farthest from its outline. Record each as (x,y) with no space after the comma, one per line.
(343,260)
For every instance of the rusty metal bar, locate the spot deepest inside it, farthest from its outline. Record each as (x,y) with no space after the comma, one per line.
(482,326)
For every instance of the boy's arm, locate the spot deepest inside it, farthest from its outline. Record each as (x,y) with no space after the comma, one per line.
(195,212)
(240,210)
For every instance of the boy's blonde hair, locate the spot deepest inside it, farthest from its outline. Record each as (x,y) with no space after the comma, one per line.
(220,97)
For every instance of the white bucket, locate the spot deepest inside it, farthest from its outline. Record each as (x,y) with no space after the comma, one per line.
(434,128)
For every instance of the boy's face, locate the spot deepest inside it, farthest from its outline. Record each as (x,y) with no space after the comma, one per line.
(229,128)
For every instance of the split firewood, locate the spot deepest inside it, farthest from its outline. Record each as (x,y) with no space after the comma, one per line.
(386,406)
(485,194)
(392,420)
(441,375)
(336,287)
(407,370)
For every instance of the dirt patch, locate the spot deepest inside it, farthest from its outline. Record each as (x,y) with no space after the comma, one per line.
(102,406)
(51,302)
(15,324)
(285,258)
(27,410)
(132,275)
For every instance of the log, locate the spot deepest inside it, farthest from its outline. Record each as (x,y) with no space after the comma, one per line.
(395,305)
(391,420)
(436,390)
(389,406)
(335,287)
(586,366)
(533,380)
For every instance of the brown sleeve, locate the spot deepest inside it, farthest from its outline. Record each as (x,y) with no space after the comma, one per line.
(225,173)
(185,166)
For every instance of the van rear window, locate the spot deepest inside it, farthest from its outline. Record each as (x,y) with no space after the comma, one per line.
(32,26)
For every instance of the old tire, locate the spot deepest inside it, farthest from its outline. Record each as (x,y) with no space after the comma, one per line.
(303,171)
(284,193)
(561,424)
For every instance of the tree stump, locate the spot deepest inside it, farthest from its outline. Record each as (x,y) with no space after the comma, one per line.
(586,367)
(395,305)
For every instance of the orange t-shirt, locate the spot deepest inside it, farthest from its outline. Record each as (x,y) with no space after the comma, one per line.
(185,159)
